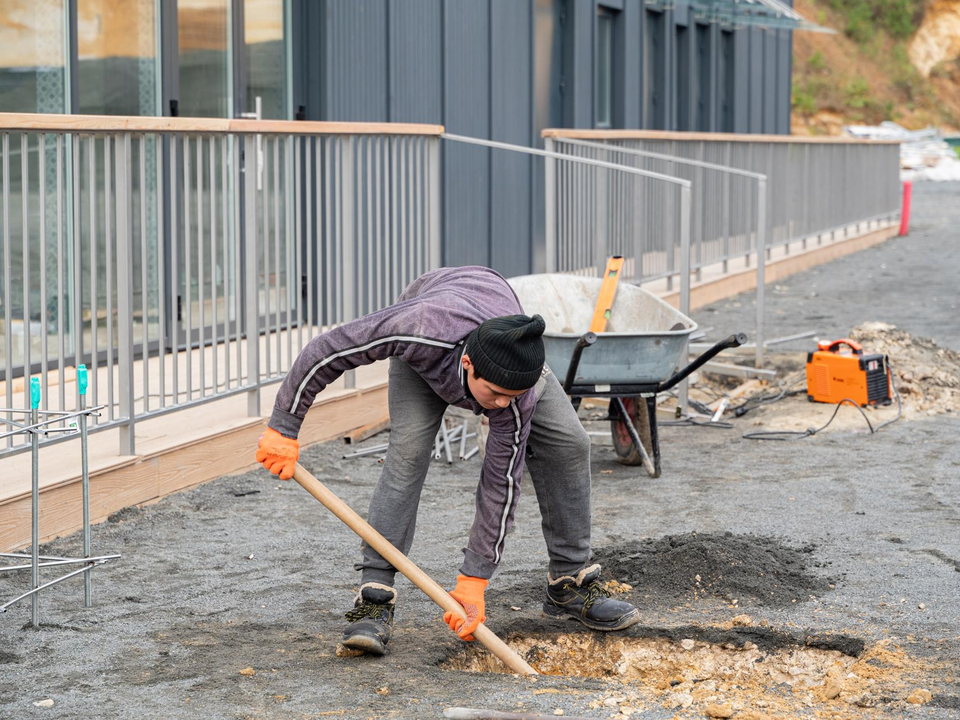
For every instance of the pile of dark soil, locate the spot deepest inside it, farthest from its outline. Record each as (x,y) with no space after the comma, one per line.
(726,566)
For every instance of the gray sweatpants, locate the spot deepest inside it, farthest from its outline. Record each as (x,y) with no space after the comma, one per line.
(558,458)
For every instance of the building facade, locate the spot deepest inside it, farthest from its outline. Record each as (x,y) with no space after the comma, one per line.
(495,69)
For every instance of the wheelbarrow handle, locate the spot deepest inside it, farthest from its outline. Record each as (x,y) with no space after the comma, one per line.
(733,341)
(586,340)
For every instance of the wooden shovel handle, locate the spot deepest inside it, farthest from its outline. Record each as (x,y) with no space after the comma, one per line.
(401,562)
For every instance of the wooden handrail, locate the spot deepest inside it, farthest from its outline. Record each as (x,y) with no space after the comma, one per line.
(42,122)
(573,134)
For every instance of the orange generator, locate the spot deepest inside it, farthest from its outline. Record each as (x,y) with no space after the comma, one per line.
(833,375)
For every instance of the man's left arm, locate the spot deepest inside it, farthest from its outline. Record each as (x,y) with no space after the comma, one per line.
(497,496)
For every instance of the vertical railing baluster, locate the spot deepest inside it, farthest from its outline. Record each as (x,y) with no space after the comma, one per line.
(144,295)
(214,342)
(161,275)
(201,275)
(124,181)
(187,303)
(298,146)
(42,263)
(227,234)
(349,239)
(276,252)
(251,316)
(289,196)
(265,245)
(7,262)
(61,260)
(175,303)
(108,255)
(25,262)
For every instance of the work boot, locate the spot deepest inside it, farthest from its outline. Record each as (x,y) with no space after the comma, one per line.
(371,619)
(585,599)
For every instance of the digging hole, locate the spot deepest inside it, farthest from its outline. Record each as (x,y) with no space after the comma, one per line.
(776,674)
(660,662)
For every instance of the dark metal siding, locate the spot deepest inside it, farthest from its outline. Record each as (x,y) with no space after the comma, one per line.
(355,60)
(511,120)
(415,61)
(466,61)
(480,68)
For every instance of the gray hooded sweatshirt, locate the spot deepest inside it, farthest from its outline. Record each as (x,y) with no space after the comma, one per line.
(428,328)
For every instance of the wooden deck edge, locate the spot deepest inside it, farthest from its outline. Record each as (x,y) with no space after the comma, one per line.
(146,479)
(712,291)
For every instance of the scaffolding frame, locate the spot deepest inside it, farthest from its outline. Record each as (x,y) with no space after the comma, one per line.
(39,423)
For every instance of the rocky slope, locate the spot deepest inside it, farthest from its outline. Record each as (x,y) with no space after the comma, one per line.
(890,60)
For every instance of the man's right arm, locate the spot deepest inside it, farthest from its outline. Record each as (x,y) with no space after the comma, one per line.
(373,337)
(327,356)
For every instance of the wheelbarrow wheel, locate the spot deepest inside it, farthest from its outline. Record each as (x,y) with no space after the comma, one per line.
(627,453)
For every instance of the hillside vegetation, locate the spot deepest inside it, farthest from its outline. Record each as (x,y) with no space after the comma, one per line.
(890,60)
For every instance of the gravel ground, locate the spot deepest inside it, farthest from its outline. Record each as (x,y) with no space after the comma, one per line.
(248,572)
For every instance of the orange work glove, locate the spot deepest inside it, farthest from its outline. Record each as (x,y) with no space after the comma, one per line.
(469,593)
(278,453)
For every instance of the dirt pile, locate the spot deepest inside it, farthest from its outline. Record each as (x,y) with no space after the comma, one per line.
(927,375)
(735,568)
(727,680)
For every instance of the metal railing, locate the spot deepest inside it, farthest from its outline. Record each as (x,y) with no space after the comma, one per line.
(750,194)
(586,201)
(741,213)
(817,188)
(178,271)
(186,260)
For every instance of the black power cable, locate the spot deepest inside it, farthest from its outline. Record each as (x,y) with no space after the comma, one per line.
(809,432)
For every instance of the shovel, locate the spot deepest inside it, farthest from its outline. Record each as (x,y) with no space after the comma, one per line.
(413,573)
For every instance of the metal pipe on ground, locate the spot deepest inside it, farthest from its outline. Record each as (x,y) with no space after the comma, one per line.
(459,713)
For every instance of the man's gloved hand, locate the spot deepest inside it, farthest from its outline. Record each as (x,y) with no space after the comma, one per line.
(469,593)
(278,453)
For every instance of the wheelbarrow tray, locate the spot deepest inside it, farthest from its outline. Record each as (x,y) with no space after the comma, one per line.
(638,347)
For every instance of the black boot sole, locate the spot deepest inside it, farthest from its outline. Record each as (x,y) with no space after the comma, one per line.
(620,623)
(367,643)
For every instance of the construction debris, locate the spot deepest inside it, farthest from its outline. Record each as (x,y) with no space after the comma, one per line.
(924,154)
(927,375)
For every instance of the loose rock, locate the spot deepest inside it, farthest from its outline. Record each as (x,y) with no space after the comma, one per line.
(831,689)
(248,672)
(44,703)
(344,651)
(687,644)
(919,696)
(716,710)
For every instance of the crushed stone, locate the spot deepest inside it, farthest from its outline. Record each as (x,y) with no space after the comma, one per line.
(717,680)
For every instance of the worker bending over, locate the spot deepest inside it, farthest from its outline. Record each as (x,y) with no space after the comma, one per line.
(457,336)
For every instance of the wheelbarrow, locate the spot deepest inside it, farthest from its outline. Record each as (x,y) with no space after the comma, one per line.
(630,363)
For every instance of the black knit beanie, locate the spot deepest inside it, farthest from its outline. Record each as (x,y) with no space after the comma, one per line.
(508,351)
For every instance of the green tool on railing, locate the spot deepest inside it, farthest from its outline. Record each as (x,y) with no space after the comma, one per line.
(35,393)
(82,379)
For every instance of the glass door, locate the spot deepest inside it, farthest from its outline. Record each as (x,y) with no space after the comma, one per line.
(232,58)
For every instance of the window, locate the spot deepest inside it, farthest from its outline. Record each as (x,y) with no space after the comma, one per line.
(205,59)
(265,75)
(117,67)
(603,69)
(32,56)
